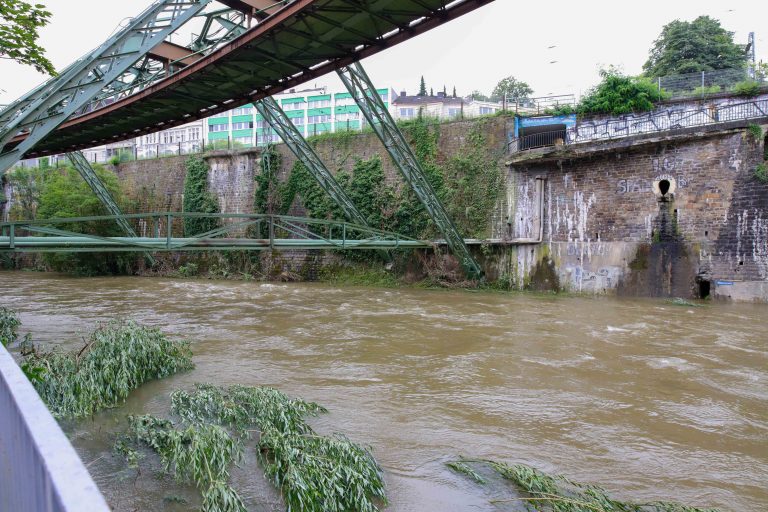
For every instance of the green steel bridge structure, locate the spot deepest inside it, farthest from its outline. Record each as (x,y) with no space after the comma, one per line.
(241,52)
(256,233)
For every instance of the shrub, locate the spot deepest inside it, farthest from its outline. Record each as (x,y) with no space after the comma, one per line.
(9,324)
(761,173)
(747,88)
(619,94)
(706,89)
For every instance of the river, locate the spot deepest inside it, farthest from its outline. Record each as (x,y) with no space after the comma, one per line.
(650,400)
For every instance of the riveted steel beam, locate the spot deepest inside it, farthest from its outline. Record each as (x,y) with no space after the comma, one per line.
(298,145)
(53,103)
(81,164)
(362,90)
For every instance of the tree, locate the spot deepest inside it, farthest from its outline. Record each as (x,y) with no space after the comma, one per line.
(698,45)
(19,22)
(454,91)
(65,194)
(478,96)
(445,91)
(422,87)
(618,94)
(431,92)
(511,88)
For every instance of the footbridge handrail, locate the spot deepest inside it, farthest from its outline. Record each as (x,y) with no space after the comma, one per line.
(159,231)
(39,469)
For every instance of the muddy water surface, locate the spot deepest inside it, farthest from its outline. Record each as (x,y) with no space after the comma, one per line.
(649,399)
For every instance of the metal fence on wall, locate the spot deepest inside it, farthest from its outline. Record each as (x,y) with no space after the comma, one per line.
(39,469)
(663,120)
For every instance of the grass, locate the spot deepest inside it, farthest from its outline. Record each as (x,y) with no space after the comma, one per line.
(117,358)
(314,473)
(548,493)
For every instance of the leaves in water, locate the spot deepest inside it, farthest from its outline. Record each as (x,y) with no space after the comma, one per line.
(117,358)
(314,473)
(547,493)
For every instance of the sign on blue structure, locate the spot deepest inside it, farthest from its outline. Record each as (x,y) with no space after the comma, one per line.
(526,122)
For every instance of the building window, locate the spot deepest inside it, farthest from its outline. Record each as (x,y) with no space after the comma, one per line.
(194,134)
(319,119)
(220,114)
(218,127)
(242,111)
(319,103)
(242,126)
(406,112)
(298,105)
(349,116)
(487,110)
(298,121)
(454,112)
(245,141)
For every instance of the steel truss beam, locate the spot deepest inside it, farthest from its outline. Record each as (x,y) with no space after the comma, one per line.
(285,232)
(48,106)
(283,126)
(81,164)
(362,90)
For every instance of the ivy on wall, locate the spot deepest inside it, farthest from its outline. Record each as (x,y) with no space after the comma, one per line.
(468,184)
(197,198)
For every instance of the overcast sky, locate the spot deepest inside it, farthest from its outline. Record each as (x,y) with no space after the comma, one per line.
(557,47)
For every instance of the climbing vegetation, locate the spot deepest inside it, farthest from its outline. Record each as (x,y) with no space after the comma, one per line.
(313,472)
(117,358)
(197,198)
(546,493)
(468,184)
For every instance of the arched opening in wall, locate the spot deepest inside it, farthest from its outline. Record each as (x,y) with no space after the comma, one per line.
(664,186)
(703,287)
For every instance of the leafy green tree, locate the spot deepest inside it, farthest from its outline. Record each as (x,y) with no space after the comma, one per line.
(698,45)
(454,91)
(511,88)
(65,194)
(478,96)
(431,92)
(27,183)
(422,87)
(19,23)
(197,198)
(618,94)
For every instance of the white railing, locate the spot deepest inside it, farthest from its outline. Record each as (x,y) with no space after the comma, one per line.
(39,469)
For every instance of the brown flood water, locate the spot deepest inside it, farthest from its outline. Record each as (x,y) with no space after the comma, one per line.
(648,399)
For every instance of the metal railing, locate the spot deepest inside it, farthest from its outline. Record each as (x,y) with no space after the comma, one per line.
(164,231)
(39,469)
(701,83)
(663,120)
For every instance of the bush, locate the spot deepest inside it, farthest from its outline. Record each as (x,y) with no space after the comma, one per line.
(619,94)
(747,88)
(706,89)
(65,194)
(761,173)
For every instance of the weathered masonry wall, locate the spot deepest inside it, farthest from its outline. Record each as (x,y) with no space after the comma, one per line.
(587,218)
(607,226)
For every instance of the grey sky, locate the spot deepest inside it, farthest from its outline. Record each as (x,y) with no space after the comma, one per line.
(474,52)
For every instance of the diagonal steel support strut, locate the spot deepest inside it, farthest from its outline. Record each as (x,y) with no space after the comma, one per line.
(298,145)
(81,164)
(362,90)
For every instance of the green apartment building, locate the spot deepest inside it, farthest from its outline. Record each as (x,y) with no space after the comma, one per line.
(312,111)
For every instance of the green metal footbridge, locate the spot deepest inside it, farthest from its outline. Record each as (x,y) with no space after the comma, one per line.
(159,232)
